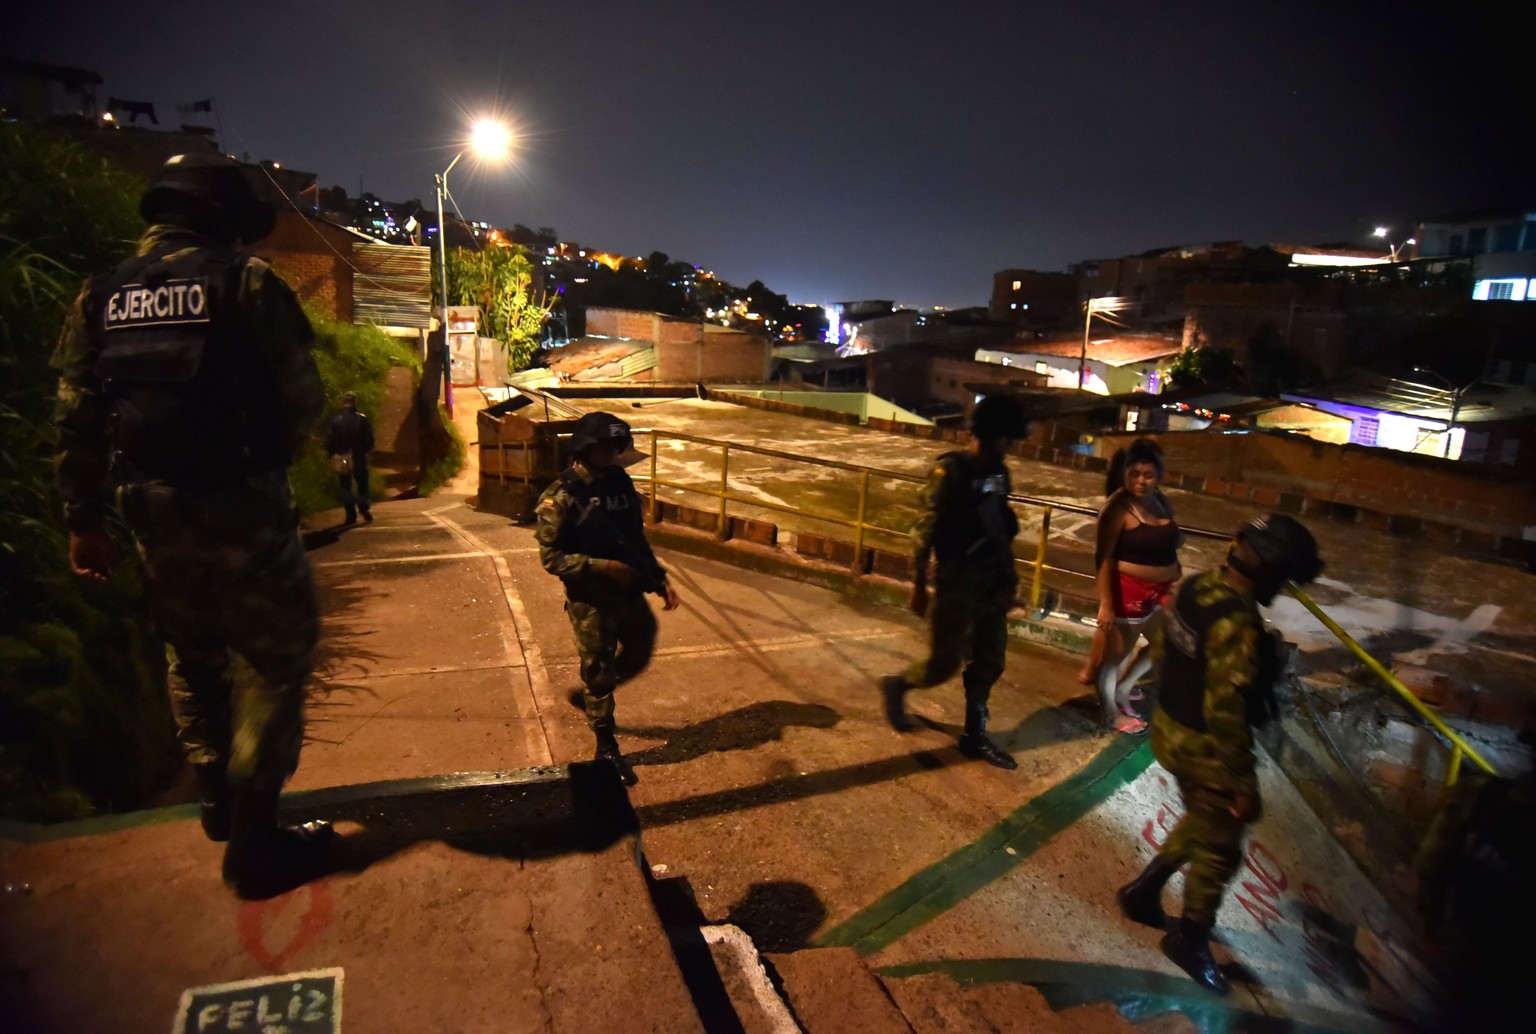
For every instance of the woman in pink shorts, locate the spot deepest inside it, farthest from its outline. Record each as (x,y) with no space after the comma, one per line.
(1136,561)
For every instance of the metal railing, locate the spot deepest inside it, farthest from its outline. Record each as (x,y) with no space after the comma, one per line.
(861,526)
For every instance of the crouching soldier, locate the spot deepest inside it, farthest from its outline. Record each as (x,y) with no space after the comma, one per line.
(591,535)
(1215,665)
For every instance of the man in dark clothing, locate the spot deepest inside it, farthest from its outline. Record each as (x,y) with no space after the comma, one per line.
(186,375)
(349,440)
(1214,662)
(591,534)
(968,526)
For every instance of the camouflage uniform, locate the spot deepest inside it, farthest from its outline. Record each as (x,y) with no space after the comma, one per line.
(615,628)
(1201,733)
(967,523)
(225,571)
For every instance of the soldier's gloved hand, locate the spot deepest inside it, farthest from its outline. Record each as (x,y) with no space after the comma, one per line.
(919,599)
(91,554)
(618,571)
(671,598)
(1245,808)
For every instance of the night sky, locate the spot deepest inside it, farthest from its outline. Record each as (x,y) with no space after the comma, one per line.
(840,151)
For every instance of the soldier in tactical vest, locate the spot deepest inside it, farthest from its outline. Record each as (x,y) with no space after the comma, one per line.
(348,441)
(1215,665)
(591,535)
(967,527)
(186,378)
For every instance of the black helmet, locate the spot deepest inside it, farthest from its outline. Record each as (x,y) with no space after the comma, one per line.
(601,427)
(1285,546)
(998,416)
(208,193)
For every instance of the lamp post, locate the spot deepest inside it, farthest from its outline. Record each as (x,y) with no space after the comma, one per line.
(1456,394)
(489,139)
(1091,306)
(1385,233)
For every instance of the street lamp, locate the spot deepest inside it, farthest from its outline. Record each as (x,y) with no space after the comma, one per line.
(491,140)
(1385,233)
(1091,306)
(1456,394)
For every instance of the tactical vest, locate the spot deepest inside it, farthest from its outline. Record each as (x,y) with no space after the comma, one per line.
(604,521)
(1182,694)
(975,524)
(180,377)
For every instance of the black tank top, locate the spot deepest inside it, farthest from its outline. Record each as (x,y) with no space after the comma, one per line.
(1152,545)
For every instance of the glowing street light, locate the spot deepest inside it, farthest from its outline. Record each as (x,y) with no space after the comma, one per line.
(490,140)
(1091,306)
(1385,233)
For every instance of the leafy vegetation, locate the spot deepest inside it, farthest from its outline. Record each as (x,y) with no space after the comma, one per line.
(350,358)
(83,719)
(500,282)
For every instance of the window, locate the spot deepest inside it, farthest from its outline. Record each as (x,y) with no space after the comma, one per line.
(1500,291)
(1529,244)
(1041,366)
(1477,240)
(1506,238)
(1018,285)
(1364,432)
(1458,244)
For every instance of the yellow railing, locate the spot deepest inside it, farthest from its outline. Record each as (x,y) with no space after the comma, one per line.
(1458,746)
(861,526)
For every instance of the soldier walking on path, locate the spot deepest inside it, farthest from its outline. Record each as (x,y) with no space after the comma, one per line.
(591,535)
(968,527)
(186,377)
(1216,666)
(348,441)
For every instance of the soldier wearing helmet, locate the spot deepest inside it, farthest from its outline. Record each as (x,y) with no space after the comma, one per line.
(967,527)
(591,535)
(1215,665)
(186,386)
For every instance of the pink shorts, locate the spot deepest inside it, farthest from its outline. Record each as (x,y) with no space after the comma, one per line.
(1138,597)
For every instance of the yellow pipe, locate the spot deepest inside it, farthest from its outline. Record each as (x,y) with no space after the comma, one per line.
(1034,589)
(1391,680)
(722,529)
(858,528)
(1453,770)
(655,448)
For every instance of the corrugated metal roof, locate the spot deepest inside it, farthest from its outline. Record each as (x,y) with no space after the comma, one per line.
(392,286)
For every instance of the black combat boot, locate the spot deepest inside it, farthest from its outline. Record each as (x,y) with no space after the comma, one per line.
(893,688)
(1188,946)
(1141,900)
(214,799)
(974,743)
(982,749)
(608,750)
(264,859)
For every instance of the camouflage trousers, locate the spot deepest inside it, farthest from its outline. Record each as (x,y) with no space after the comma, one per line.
(227,580)
(1209,839)
(969,626)
(614,640)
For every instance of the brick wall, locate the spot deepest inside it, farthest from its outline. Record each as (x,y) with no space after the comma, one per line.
(310,257)
(721,358)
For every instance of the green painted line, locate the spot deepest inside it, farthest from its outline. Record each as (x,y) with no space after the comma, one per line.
(949,881)
(1141,994)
